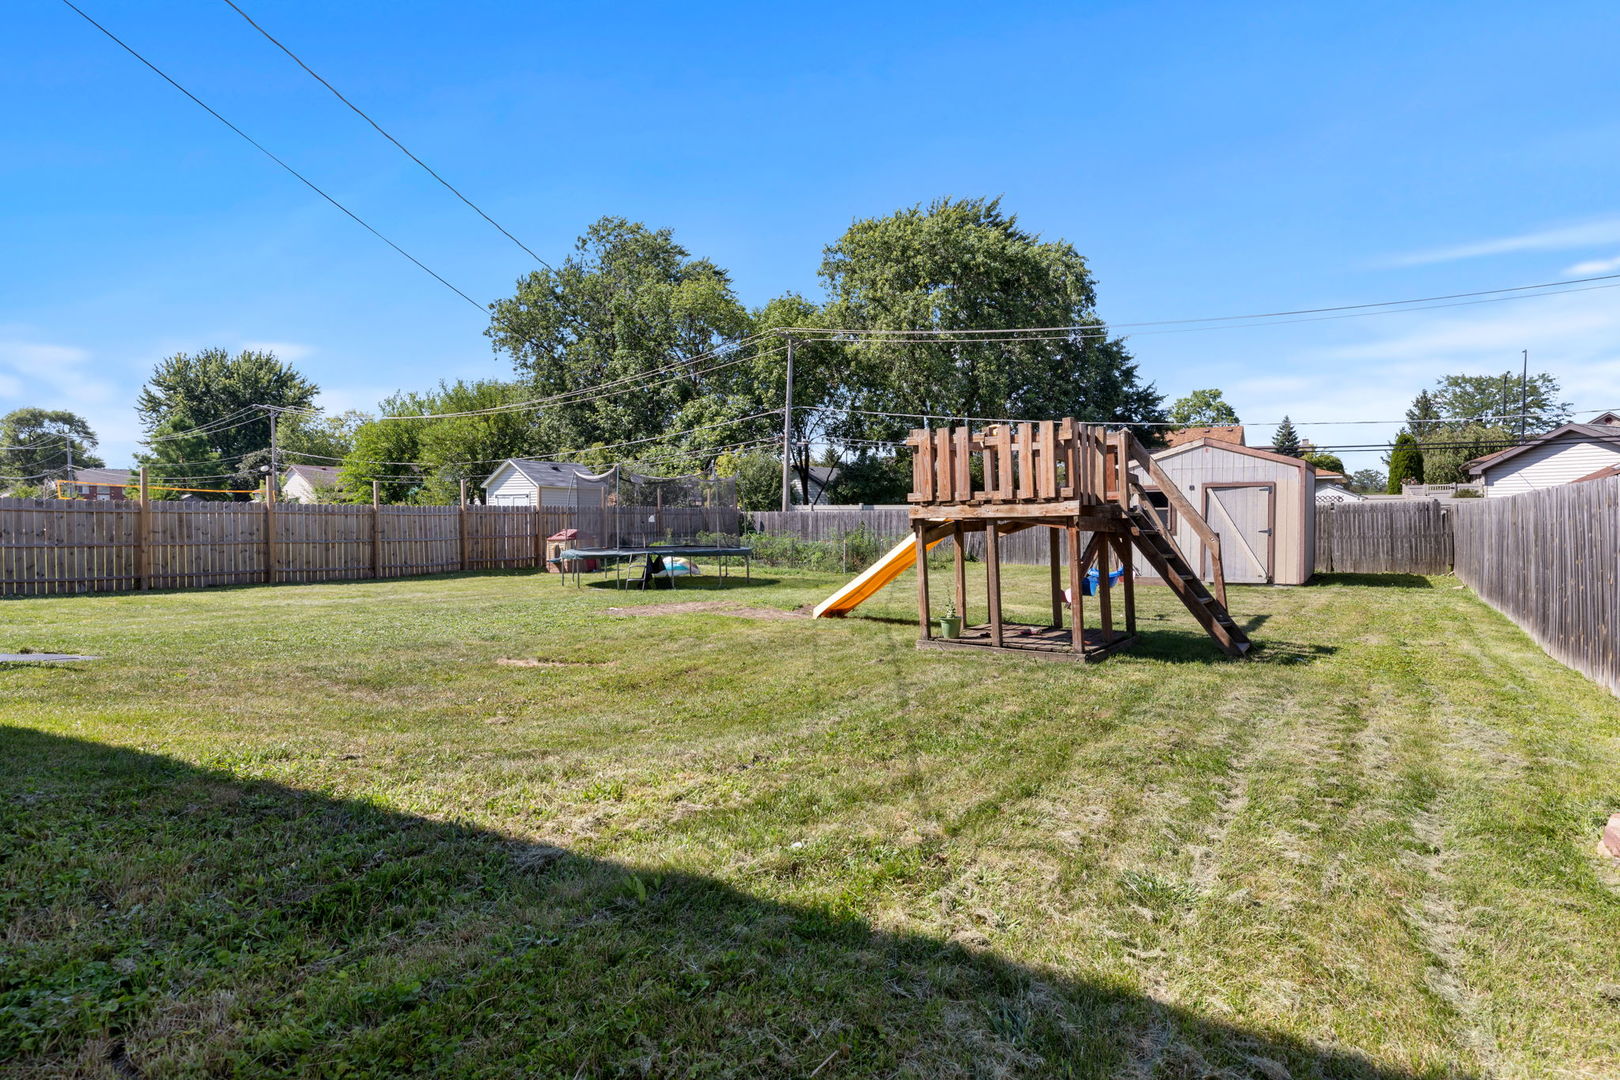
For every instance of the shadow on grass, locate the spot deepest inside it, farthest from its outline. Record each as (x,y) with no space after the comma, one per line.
(164,918)
(1377,581)
(687,586)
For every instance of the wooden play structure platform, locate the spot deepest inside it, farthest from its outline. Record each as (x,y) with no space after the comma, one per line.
(1082,483)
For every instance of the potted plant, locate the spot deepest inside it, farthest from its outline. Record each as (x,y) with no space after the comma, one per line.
(950,623)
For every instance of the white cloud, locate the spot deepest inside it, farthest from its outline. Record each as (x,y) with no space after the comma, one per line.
(1562,238)
(1594,266)
(287,351)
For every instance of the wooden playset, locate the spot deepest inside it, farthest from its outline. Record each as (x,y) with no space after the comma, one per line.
(1076,480)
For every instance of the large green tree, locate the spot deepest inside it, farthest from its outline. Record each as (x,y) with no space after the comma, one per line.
(200,411)
(624,333)
(38,446)
(1448,449)
(1532,407)
(963,265)
(1285,440)
(1405,462)
(1203,408)
(424,461)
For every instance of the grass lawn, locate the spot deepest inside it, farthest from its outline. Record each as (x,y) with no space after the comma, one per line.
(323,830)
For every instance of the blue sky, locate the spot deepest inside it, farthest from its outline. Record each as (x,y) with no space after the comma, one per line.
(1207,159)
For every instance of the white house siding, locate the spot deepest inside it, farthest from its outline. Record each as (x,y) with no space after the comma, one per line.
(512,488)
(1550,465)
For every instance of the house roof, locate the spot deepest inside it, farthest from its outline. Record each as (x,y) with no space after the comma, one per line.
(106,477)
(541,473)
(1234,448)
(1604,433)
(317,475)
(1230,434)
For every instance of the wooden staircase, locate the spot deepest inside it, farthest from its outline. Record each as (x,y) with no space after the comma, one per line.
(1171,565)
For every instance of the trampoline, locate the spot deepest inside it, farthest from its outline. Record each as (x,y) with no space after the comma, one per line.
(660,563)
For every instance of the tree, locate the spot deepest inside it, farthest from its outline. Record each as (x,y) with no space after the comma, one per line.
(870,477)
(1423,415)
(37,446)
(965,265)
(1484,398)
(1286,440)
(200,412)
(1367,481)
(424,461)
(1446,452)
(1405,463)
(1324,462)
(758,476)
(1203,408)
(625,308)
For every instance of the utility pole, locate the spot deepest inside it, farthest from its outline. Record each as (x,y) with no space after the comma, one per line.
(787,434)
(1524,393)
(275,468)
(70,476)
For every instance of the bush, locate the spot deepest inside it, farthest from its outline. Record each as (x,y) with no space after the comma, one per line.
(853,552)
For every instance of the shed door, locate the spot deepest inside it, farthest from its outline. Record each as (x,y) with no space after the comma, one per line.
(1245,518)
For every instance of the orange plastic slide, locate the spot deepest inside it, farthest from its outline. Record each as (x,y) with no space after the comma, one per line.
(900,558)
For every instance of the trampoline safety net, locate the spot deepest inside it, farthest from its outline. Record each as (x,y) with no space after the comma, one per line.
(619,509)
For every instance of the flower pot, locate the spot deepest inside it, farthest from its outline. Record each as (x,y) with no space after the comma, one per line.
(950,626)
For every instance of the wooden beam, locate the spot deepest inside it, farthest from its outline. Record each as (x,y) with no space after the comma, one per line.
(992,569)
(1122,545)
(1105,600)
(1077,574)
(924,630)
(1055,549)
(958,540)
(1099,518)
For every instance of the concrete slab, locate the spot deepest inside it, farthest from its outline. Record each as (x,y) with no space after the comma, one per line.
(40,657)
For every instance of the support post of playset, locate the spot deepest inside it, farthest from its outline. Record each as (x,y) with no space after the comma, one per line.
(1055,549)
(959,541)
(1077,578)
(924,629)
(992,570)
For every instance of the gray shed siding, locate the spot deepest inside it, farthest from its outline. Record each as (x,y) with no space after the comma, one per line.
(1197,467)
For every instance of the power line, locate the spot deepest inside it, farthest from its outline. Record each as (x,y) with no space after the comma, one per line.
(402,149)
(260,147)
(1099,325)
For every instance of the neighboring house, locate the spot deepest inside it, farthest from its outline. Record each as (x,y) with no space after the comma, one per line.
(522,482)
(102,484)
(1233,434)
(821,478)
(1334,487)
(1601,474)
(1561,456)
(307,483)
(1261,504)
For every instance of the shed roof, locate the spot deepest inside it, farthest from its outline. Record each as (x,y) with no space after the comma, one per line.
(1601,474)
(541,473)
(1235,448)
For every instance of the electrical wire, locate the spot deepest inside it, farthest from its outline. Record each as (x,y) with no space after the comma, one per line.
(261,148)
(378,127)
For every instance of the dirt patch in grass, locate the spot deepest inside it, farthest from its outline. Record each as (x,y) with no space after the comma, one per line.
(530,661)
(711,607)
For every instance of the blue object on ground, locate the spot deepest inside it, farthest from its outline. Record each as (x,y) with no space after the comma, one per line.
(1089,586)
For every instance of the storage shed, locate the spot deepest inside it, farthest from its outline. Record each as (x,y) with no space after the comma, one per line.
(1261,504)
(523,482)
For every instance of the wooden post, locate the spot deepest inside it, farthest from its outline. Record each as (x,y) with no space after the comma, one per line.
(1124,479)
(1127,583)
(1105,602)
(376,529)
(537,523)
(992,570)
(958,540)
(461,526)
(1077,618)
(924,630)
(143,537)
(1056,549)
(269,528)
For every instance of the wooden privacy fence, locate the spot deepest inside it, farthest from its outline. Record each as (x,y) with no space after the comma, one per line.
(50,546)
(1383,538)
(1550,561)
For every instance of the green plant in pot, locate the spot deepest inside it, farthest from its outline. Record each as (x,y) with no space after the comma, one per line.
(950,623)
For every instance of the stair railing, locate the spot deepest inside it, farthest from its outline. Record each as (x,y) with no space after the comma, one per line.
(1184,509)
